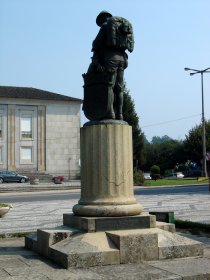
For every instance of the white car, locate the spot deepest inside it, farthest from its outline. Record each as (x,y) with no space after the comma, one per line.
(147,176)
(178,175)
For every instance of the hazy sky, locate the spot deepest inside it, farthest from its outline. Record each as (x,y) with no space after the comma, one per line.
(46,44)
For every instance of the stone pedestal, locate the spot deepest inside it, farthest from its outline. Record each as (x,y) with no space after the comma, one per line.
(107,172)
(97,241)
(108,226)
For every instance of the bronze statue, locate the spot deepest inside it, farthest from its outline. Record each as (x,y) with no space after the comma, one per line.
(103,96)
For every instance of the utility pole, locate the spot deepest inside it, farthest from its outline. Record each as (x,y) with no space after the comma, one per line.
(193,72)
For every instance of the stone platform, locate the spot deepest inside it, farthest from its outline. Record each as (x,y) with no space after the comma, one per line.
(94,224)
(108,225)
(99,241)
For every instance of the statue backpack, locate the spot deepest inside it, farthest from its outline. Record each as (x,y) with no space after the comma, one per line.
(120,33)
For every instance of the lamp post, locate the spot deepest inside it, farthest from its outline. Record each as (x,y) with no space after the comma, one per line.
(69,168)
(193,72)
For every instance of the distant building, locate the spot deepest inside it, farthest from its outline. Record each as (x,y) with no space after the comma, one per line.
(39,131)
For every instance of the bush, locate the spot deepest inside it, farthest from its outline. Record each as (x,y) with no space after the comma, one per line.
(5,205)
(138,178)
(155,172)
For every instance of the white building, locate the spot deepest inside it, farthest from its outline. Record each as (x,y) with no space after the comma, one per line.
(39,131)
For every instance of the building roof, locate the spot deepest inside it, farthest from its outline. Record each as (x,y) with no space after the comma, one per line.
(33,93)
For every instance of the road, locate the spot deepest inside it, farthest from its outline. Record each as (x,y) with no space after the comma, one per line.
(45,209)
(75,194)
(40,196)
(172,190)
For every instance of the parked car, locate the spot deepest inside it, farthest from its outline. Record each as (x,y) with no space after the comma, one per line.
(179,175)
(11,176)
(147,176)
(58,179)
(176,175)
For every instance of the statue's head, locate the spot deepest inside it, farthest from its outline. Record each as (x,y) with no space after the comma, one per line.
(102,17)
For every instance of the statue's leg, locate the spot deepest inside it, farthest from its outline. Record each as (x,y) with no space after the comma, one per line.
(118,93)
(112,80)
(111,114)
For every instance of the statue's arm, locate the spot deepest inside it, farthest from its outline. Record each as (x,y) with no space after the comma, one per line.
(100,39)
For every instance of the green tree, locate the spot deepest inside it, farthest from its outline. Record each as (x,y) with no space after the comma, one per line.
(165,154)
(159,140)
(193,143)
(131,117)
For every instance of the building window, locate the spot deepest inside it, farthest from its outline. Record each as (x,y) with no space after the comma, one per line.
(26,126)
(1,126)
(26,154)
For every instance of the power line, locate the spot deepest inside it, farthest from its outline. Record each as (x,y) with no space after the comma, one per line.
(180,119)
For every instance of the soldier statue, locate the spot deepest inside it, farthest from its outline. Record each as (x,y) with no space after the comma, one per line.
(103,82)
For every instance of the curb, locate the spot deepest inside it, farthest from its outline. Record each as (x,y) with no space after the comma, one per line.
(41,187)
(60,187)
(171,186)
(21,190)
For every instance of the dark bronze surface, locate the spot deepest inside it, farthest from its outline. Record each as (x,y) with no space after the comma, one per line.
(104,80)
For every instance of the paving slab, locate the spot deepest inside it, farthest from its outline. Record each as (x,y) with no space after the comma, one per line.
(188,268)
(23,266)
(133,272)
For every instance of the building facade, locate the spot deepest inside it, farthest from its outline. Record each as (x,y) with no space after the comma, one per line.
(39,131)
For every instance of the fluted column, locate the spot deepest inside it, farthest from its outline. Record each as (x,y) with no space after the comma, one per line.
(11,137)
(41,138)
(107,172)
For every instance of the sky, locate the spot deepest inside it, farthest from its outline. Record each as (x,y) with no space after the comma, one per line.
(46,44)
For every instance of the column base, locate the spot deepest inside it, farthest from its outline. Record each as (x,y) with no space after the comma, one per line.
(107,210)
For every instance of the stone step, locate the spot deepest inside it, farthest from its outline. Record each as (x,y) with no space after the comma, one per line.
(153,244)
(94,224)
(31,242)
(71,247)
(135,245)
(85,250)
(48,237)
(166,226)
(173,246)
(41,175)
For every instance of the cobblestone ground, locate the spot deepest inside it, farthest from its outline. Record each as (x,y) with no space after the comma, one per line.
(28,216)
(191,207)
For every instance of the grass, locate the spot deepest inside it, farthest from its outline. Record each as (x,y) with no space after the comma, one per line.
(14,235)
(4,205)
(192,227)
(170,182)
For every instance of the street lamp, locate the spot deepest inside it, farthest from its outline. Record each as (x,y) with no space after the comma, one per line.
(69,168)
(195,71)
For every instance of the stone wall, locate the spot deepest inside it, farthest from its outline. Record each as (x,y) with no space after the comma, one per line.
(56,136)
(62,139)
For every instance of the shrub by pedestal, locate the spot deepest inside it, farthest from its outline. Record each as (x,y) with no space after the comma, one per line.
(4,208)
